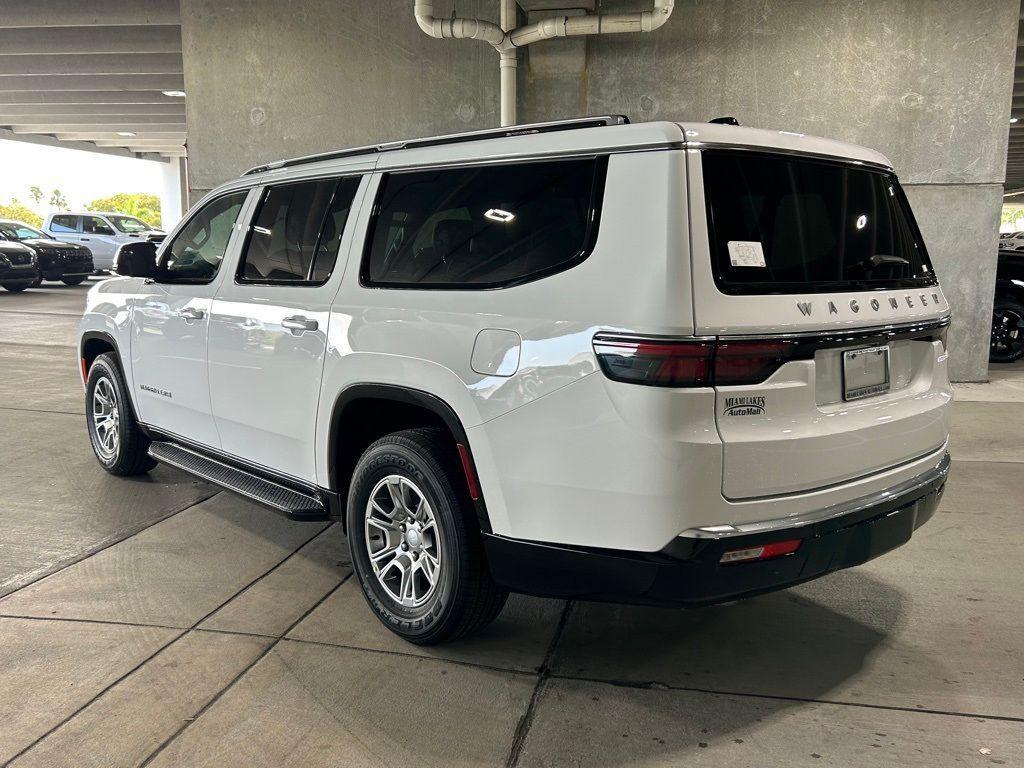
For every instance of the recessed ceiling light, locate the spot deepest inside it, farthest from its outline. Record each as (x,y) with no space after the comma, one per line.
(1014,119)
(178,94)
(125,133)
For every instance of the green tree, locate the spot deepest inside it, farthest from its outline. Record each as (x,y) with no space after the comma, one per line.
(18,211)
(36,194)
(137,204)
(58,201)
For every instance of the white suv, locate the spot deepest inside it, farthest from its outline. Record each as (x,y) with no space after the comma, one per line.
(660,363)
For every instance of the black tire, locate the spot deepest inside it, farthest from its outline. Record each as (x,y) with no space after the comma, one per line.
(1007,342)
(16,287)
(465,597)
(77,280)
(126,453)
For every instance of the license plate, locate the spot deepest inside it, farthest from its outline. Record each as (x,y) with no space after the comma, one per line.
(865,372)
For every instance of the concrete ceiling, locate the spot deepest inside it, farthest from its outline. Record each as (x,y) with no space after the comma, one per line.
(91,75)
(1015,152)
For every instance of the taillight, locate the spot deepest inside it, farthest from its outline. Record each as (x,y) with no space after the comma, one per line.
(690,362)
(749,362)
(656,363)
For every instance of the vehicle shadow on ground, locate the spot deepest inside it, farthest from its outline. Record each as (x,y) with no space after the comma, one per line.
(777,652)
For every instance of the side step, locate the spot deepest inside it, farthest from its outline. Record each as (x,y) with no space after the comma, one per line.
(295,504)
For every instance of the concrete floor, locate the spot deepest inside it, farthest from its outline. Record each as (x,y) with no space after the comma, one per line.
(160,622)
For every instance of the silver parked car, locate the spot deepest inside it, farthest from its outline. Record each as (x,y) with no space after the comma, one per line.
(102,233)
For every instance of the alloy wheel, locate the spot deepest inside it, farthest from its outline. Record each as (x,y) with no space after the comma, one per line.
(403,541)
(105,419)
(1007,332)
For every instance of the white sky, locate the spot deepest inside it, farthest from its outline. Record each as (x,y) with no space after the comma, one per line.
(81,176)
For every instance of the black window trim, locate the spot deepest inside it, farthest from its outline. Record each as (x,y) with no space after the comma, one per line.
(597,188)
(168,242)
(840,286)
(240,278)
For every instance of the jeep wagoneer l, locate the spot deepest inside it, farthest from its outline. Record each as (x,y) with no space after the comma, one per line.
(659,363)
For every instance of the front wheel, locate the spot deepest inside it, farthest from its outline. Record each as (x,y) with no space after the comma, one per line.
(120,446)
(416,549)
(16,287)
(1007,343)
(73,280)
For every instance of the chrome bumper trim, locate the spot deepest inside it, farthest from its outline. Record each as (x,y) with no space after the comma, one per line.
(907,488)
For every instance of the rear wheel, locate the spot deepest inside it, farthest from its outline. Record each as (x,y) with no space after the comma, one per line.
(73,280)
(1007,343)
(416,550)
(16,287)
(120,446)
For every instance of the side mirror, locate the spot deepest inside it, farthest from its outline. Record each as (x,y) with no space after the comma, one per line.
(136,260)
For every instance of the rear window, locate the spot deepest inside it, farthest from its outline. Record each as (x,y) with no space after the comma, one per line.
(483,226)
(782,224)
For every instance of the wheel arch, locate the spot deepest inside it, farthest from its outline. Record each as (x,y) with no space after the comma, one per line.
(1007,288)
(92,345)
(403,407)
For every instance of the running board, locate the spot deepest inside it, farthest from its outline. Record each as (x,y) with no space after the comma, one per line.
(296,504)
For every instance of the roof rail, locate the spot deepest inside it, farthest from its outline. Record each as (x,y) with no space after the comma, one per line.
(451,138)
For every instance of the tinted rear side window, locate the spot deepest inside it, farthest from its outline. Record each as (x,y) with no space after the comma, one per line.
(781,224)
(484,227)
(296,232)
(285,230)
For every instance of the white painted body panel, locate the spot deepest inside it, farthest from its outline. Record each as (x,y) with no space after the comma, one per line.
(564,455)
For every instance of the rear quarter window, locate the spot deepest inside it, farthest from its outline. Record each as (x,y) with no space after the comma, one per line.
(483,226)
(64,224)
(785,224)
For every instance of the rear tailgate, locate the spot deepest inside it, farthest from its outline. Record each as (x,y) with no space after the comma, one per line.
(818,267)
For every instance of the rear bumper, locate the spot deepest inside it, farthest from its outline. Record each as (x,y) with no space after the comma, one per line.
(688,572)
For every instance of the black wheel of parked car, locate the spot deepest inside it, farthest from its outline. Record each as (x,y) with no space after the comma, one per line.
(16,287)
(117,441)
(73,280)
(1007,343)
(416,548)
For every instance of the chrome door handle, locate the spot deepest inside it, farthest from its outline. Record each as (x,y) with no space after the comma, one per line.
(299,323)
(190,313)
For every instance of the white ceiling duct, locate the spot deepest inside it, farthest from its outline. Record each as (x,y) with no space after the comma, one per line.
(505,39)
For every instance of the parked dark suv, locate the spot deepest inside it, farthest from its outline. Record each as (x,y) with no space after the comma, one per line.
(66,262)
(18,269)
(1007,342)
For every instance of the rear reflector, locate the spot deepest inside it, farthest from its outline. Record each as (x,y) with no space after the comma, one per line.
(467,468)
(763,552)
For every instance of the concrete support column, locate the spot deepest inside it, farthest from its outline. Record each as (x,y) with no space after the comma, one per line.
(173,203)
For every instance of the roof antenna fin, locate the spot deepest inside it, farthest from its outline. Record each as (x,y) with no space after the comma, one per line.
(724,121)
